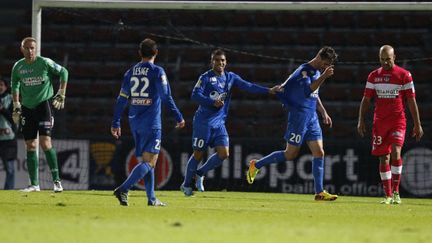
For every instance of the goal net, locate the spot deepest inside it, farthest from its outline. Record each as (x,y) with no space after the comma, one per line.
(265,41)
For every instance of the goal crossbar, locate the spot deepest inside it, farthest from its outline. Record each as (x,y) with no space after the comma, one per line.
(38,5)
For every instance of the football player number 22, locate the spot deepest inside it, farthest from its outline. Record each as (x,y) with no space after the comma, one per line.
(158,144)
(135,85)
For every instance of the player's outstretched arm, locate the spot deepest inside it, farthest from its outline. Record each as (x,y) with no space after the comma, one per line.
(276,89)
(364,107)
(249,86)
(417,129)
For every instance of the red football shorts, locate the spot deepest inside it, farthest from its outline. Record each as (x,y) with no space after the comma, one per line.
(384,134)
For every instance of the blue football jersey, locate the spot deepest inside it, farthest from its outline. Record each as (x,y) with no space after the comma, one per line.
(297,94)
(146,86)
(210,87)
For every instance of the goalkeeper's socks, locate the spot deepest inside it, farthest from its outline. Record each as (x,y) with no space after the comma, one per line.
(213,162)
(137,174)
(190,171)
(318,173)
(275,157)
(386,177)
(51,157)
(32,167)
(396,169)
(149,186)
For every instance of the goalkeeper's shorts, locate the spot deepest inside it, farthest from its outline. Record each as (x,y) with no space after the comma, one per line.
(38,119)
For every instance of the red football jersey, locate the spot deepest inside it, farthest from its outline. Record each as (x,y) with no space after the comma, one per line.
(390,88)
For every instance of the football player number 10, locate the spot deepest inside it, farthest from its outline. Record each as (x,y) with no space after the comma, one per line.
(198,142)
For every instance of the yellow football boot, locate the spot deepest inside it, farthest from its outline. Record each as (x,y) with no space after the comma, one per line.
(325,196)
(252,172)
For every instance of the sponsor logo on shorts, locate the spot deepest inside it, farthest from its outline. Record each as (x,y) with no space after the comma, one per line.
(45,124)
(397,134)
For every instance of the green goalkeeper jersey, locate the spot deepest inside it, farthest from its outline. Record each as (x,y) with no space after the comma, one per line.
(34,81)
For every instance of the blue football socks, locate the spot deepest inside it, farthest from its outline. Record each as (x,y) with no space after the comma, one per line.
(149,185)
(275,157)
(318,173)
(190,171)
(213,162)
(137,174)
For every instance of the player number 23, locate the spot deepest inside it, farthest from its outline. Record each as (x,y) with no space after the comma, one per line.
(135,85)
(377,140)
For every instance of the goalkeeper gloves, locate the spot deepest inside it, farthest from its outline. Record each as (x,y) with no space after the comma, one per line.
(59,99)
(16,114)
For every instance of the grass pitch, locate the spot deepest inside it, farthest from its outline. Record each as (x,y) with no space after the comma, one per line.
(96,216)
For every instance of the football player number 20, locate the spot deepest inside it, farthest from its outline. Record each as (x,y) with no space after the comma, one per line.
(295,138)
(134,90)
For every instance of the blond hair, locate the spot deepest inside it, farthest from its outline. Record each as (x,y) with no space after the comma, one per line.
(27,39)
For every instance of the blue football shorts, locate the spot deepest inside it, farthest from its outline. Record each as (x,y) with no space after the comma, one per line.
(302,126)
(204,136)
(147,141)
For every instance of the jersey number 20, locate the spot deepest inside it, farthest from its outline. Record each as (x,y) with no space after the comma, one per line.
(135,85)
(295,138)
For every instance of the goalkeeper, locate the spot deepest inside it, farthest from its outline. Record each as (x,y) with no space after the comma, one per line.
(32,82)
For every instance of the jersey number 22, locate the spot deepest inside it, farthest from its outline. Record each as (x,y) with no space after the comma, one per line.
(134,90)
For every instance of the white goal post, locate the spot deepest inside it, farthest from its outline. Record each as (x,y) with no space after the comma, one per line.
(38,5)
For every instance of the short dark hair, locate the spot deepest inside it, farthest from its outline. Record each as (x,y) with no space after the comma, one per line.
(4,81)
(217,52)
(148,47)
(328,53)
